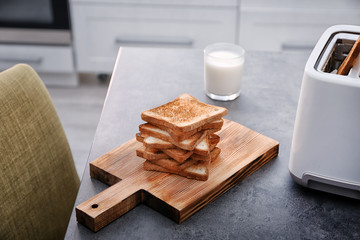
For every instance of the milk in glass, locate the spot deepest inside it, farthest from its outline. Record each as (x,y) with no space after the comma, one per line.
(223,72)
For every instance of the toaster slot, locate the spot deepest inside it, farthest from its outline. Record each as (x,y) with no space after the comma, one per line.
(337,55)
(335,51)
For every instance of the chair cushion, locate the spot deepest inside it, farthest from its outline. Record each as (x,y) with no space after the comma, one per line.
(38,180)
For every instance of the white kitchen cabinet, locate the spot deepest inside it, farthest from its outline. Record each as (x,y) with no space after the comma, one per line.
(101,27)
(54,63)
(278,25)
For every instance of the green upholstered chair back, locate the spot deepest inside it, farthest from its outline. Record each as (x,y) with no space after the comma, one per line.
(38,179)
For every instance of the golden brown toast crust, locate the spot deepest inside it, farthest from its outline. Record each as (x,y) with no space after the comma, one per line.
(174,165)
(188,174)
(152,142)
(213,127)
(179,137)
(150,153)
(212,156)
(183,114)
(178,154)
(187,144)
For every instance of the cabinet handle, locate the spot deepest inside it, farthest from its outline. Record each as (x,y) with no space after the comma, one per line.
(297,46)
(29,60)
(181,41)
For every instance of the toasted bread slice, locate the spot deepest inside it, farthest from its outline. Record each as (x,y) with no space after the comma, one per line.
(167,163)
(178,154)
(190,145)
(214,139)
(153,142)
(162,159)
(215,154)
(182,137)
(191,142)
(198,171)
(187,144)
(139,137)
(151,153)
(203,148)
(183,114)
(171,164)
(154,131)
(212,156)
(140,152)
(213,126)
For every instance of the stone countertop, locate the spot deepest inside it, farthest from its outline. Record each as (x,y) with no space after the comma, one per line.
(267,204)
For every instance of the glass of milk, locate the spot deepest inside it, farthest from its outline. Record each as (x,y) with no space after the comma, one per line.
(223,65)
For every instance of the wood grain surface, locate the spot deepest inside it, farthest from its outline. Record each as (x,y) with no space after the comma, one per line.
(243,151)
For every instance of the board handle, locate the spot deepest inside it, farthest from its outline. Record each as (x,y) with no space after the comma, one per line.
(110,204)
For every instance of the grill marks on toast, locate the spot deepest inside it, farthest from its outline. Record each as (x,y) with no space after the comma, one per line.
(179,137)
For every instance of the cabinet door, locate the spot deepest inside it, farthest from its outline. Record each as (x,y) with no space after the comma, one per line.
(41,57)
(100,29)
(292,25)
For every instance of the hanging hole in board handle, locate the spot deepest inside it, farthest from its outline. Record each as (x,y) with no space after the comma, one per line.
(94,205)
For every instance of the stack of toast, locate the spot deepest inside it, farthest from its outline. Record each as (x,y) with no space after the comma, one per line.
(179,137)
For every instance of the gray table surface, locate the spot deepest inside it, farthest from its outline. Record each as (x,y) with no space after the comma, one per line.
(267,204)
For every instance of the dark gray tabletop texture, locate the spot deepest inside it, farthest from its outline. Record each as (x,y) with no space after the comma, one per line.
(267,204)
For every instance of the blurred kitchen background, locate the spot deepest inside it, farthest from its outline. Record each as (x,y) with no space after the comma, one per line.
(73,44)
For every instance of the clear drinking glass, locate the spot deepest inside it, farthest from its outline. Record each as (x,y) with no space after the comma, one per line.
(223,67)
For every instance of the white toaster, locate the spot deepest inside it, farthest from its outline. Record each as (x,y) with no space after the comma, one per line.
(325,151)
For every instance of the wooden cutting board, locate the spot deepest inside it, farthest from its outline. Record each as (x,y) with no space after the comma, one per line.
(243,151)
